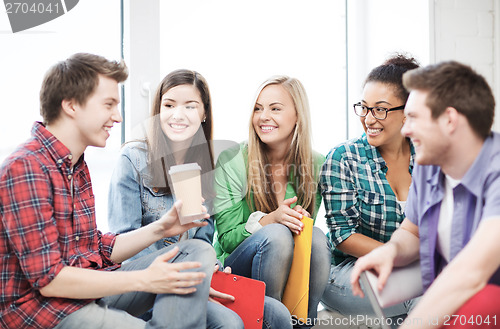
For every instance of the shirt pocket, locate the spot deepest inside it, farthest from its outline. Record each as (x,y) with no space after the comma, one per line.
(155,203)
(372,208)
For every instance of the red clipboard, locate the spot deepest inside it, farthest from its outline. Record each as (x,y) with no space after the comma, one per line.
(249,297)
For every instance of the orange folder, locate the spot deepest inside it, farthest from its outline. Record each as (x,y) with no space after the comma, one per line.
(296,294)
(249,297)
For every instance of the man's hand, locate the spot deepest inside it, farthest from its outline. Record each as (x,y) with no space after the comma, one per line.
(381,260)
(162,277)
(218,294)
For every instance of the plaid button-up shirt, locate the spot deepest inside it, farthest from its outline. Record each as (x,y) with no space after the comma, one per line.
(47,221)
(357,195)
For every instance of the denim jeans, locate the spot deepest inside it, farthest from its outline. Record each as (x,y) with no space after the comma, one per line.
(218,317)
(170,310)
(338,295)
(267,256)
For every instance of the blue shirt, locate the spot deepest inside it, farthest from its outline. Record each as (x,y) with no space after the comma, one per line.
(358,198)
(475,198)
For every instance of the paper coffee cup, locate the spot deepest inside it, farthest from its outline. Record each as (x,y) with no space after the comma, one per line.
(186,182)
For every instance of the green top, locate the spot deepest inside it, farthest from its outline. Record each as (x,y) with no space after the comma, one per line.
(231,207)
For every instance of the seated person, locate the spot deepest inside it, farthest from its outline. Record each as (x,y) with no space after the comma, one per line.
(265,186)
(58,270)
(365,183)
(453,208)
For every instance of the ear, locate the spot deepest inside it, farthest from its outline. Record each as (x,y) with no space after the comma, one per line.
(451,119)
(68,107)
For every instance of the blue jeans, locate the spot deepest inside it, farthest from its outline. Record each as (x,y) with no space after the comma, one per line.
(170,310)
(267,256)
(338,295)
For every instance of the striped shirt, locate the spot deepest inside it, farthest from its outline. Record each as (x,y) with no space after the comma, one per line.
(357,195)
(47,221)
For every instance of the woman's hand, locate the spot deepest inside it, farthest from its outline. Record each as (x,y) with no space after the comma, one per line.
(299,209)
(286,216)
(218,294)
(169,225)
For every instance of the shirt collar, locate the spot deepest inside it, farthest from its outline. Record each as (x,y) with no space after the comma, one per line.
(474,177)
(58,151)
(373,154)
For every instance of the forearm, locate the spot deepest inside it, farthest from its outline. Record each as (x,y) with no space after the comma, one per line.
(130,243)
(96,284)
(445,296)
(464,276)
(406,243)
(358,245)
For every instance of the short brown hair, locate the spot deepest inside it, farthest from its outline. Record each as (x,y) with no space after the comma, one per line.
(75,78)
(452,84)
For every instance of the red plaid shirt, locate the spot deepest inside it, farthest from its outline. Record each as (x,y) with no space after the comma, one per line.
(44,228)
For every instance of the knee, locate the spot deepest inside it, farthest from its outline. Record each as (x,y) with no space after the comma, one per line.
(320,248)
(320,241)
(220,317)
(198,251)
(233,321)
(277,238)
(276,315)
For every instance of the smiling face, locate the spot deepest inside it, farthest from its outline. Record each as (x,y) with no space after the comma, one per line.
(385,132)
(181,113)
(96,117)
(427,134)
(274,117)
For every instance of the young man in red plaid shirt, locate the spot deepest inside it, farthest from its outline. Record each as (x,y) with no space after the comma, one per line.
(57,269)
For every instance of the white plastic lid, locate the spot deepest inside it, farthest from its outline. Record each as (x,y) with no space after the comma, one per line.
(183,167)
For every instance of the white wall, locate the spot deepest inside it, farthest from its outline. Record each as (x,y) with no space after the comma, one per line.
(377,29)
(469,32)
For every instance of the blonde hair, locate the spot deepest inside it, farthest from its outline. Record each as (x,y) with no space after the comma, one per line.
(299,160)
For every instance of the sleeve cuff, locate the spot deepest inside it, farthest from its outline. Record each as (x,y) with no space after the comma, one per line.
(253,224)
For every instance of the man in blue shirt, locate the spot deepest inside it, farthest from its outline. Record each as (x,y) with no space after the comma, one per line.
(453,209)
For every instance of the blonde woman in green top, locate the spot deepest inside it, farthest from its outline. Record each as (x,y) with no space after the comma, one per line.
(265,186)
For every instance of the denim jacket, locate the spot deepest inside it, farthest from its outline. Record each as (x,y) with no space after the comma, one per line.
(133,202)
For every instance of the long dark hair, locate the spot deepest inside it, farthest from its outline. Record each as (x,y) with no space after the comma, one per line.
(160,154)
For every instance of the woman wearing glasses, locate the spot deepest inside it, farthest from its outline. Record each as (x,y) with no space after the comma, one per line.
(365,182)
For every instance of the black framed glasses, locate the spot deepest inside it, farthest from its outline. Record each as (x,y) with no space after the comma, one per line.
(378,112)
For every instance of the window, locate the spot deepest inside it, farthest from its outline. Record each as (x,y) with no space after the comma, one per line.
(238,45)
(91,26)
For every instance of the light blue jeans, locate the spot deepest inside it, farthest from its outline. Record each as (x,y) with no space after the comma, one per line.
(267,256)
(170,310)
(338,295)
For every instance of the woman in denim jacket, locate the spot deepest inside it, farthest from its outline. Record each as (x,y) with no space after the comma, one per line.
(180,131)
